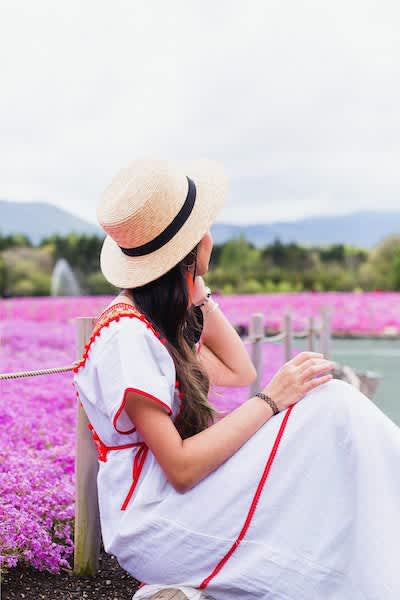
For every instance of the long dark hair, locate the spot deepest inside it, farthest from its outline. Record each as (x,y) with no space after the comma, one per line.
(164,302)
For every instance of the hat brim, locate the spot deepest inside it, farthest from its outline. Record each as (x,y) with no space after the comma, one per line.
(125,271)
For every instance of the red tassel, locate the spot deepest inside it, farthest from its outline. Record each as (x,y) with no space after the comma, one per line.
(190,284)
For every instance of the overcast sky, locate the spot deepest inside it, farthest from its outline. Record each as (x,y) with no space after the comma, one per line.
(299,99)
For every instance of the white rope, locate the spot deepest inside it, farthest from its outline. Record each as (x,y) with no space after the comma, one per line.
(37,372)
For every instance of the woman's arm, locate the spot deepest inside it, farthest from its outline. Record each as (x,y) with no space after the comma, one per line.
(185,462)
(222,352)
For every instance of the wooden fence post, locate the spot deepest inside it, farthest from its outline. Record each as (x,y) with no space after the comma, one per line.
(311,333)
(326,333)
(87,533)
(256,335)
(288,339)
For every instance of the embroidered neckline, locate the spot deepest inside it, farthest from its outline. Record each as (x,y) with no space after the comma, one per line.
(111,309)
(115,313)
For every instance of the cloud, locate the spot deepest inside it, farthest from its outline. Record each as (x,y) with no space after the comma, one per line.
(298,99)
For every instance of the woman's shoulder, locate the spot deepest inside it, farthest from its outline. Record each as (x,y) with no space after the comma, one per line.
(127,330)
(124,354)
(126,318)
(121,330)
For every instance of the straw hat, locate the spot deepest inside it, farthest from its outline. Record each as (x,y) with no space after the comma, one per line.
(154,212)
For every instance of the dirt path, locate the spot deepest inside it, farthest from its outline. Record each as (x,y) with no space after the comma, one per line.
(110,583)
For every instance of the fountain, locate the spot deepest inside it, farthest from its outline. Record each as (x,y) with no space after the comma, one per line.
(63,280)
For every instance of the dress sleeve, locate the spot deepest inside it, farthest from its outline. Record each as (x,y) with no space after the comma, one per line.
(135,360)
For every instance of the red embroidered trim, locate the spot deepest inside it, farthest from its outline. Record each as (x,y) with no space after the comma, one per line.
(114,314)
(138,462)
(253,505)
(111,309)
(102,448)
(122,405)
(104,320)
(117,414)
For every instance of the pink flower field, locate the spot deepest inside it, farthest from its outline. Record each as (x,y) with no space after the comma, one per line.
(37,414)
(356,314)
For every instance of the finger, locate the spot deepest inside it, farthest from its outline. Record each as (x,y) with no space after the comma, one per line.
(312,375)
(313,383)
(303,356)
(315,366)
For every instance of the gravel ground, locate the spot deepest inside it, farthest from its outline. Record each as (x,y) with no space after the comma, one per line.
(110,583)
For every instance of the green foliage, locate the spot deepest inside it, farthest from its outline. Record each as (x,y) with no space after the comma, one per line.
(2,277)
(96,284)
(14,240)
(396,269)
(250,286)
(381,269)
(27,281)
(236,266)
(80,251)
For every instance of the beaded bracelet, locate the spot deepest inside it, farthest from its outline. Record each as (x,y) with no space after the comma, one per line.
(206,297)
(208,310)
(269,401)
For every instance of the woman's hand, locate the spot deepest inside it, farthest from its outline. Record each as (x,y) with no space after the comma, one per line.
(199,289)
(296,377)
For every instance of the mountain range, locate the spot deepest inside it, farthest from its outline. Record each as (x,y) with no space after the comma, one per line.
(363,229)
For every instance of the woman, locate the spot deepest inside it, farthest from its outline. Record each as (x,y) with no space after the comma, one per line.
(293,495)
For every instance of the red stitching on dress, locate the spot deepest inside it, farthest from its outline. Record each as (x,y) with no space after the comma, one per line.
(122,405)
(138,462)
(253,505)
(102,448)
(117,414)
(103,321)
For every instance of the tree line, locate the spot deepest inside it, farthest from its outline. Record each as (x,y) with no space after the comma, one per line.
(236,266)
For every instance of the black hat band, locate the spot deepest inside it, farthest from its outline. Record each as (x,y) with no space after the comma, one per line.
(171,230)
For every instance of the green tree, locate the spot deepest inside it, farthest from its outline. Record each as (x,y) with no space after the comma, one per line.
(240,258)
(380,270)
(96,284)
(82,252)
(2,277)
(396,269)
(14,240)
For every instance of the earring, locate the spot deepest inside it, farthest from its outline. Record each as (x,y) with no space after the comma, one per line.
(190,284)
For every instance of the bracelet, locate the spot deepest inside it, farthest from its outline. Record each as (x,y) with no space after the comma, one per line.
(208,310)
(269,401)
(206,297)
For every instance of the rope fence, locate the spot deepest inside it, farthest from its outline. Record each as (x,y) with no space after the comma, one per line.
(37,372)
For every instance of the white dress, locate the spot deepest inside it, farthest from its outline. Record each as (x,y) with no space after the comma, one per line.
(307,509)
